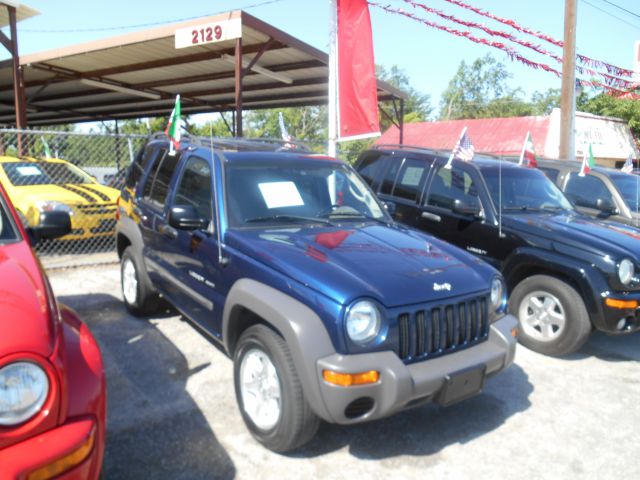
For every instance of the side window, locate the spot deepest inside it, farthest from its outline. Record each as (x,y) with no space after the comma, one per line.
(390,176)
(160,187)
(449,185)
(156,161)
(195,187)
(410,179)
(370,168)
(551,173)
(585,191)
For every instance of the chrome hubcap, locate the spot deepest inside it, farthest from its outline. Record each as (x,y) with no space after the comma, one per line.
(260,389)
(542,316)
(129,282)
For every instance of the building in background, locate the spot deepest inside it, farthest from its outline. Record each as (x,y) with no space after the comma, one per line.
(611,138)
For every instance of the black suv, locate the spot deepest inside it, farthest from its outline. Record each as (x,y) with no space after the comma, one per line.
(567,273)
(329,308)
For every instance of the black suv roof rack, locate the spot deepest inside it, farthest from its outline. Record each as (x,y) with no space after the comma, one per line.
(388,146)
(240,143)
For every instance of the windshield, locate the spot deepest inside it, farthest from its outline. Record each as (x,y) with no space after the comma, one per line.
(44,173)
(304,192)
(524,189)
(628,186)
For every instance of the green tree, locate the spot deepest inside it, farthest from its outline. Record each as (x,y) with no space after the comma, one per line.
(544,102)
(417,107)
(608,105)
(480,90)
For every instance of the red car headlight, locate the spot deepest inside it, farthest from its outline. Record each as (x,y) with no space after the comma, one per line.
(24,387)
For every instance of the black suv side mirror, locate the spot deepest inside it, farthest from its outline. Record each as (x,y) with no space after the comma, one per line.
(468,207)
(186,217)
(606,206)
(52,225)
(390,207)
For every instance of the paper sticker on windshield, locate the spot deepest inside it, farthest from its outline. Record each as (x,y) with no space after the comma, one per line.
(280,194)
(29,171)
(412,176)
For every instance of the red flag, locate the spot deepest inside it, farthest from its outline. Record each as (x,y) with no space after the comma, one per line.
(357,89)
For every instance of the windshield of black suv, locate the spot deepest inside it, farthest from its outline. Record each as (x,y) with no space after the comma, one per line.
(300,191)
(524,189)
(629,188)
(44,173)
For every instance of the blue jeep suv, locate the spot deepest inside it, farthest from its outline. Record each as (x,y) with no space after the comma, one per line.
(329,309)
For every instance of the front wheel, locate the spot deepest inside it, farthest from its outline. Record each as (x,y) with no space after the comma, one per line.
(137,292)
(269,392)
(552,316)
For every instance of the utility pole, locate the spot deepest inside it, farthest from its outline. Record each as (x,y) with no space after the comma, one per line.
(567,100)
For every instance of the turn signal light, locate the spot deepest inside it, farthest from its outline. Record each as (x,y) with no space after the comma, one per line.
(65,463)
(612,302)
(350,379)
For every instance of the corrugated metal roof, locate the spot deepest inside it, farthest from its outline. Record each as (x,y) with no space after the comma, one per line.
(22,12)
(67,85)
(499,136)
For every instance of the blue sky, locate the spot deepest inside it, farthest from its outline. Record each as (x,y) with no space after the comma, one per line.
(428,56)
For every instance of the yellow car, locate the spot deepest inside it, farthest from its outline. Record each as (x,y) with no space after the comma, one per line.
(36,186)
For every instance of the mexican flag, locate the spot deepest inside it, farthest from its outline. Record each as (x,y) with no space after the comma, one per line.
(173,127)
(587,162)
(528,153)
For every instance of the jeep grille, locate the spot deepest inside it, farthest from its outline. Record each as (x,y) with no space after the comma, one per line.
(442,329)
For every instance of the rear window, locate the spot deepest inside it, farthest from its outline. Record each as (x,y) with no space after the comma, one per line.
(160,187)
(369,168)
(139,165)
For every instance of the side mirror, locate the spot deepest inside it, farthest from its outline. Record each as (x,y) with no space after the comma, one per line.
(390,207)
(186,217)
(606,206)
(468,207)
(52,225)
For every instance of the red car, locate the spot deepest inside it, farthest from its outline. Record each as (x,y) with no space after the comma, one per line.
(52,382)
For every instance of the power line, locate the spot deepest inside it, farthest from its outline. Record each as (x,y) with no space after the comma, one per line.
(621,8)
(142,25)
(636,26)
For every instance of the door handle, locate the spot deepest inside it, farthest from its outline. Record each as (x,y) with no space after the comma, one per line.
(431,216)
(168,231)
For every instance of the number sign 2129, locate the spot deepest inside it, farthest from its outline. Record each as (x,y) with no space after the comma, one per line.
(207,34)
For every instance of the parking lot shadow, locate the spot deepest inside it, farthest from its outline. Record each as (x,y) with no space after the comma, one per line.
(428,429)
(612,348)
(149,411)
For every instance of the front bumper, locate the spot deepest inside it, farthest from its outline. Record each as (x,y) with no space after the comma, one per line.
(75,449)
(618,319)
(445,379)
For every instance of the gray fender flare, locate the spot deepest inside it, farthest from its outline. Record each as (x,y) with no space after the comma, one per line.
(302,329)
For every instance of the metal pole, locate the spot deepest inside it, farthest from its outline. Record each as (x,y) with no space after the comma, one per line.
(238,75)
(401,121)
(333,83)
(567,100)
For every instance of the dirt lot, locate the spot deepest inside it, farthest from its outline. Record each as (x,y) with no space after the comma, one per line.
(172,411)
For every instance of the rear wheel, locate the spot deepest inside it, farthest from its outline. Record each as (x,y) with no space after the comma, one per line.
(137,291)
(269,392)
(552,316)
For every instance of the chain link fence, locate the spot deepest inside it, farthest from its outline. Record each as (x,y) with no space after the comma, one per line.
(80,173)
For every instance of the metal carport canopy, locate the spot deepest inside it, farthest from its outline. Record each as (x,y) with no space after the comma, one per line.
(139,74)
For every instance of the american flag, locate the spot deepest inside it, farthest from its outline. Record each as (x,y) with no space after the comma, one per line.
(628,165)
(464,148)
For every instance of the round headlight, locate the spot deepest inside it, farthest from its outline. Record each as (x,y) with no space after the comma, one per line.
(497,293)
(363,322)
(23,390)
(626,270)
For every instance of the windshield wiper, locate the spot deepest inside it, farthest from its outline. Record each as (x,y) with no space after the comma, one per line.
(293,218)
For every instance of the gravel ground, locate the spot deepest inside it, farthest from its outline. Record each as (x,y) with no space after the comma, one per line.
(172,412)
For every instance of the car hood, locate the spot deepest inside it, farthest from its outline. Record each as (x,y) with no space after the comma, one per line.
(71,194)
(24,312)
(579,231)
(392,264)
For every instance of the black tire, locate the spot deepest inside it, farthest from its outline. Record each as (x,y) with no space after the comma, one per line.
(296,424)
(146,300)
(566,302)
